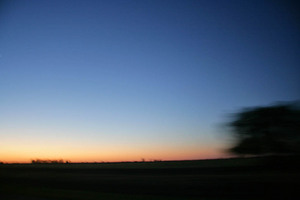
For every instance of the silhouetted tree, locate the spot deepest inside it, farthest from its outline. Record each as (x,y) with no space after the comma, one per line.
(267,130)
(40,161)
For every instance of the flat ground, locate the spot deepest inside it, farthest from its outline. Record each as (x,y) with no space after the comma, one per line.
(242,178)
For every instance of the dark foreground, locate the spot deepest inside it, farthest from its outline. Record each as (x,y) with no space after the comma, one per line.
(247,178)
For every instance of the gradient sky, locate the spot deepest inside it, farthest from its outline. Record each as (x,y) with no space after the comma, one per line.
(126,80)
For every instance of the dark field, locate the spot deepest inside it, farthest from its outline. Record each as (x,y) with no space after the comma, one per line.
(243,178)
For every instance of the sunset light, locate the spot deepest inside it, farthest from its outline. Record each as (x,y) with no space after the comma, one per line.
(102,81)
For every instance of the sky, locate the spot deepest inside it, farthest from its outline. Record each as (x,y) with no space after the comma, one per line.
(93,81)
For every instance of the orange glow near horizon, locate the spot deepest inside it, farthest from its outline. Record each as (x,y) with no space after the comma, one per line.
(106,155)
(22,148)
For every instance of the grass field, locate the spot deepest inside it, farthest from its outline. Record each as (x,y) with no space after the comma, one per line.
(242,178)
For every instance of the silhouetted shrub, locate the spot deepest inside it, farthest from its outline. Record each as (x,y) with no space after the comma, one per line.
(40,161)
(267,130)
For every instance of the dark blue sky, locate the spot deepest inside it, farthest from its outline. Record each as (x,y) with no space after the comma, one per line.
(143,75)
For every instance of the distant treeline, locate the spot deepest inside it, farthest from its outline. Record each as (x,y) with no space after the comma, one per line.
(40,161)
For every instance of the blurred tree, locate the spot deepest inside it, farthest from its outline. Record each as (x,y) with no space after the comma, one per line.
(267,130)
